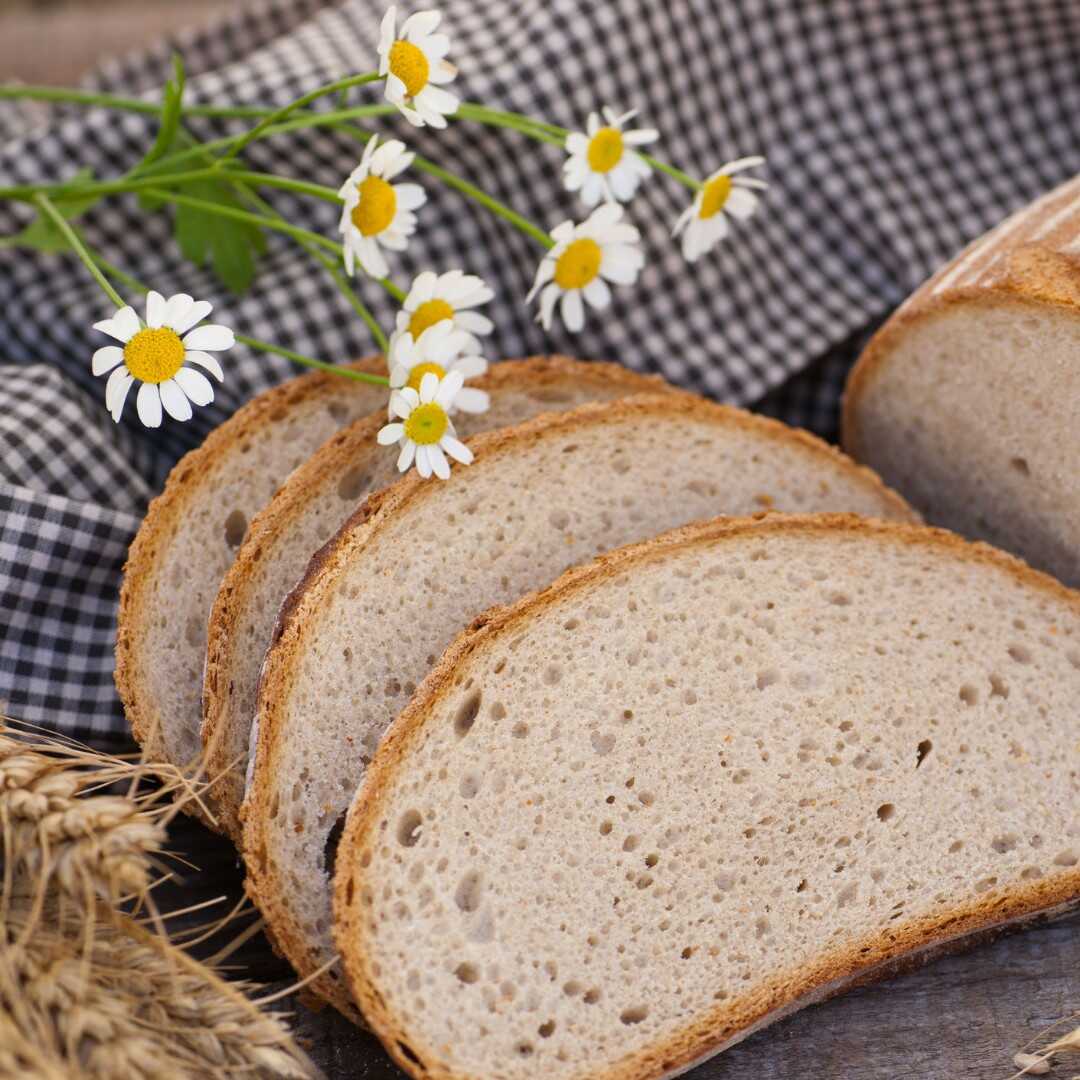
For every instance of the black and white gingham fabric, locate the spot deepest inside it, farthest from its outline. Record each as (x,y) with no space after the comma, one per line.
(895,131)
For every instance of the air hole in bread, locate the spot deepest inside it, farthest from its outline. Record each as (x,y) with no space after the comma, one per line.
(1020,653)
(631,842)
(466,973)
(520,730)
(469,892)
(523,1049)
(408,829)
(1020,465)
(605,828)
(552,675)
(767,678)
(353,484)
(546,1029)
(634,1015)
(1030,873)
(840,599)
(985,884)
(969,695)
(235,528)
(470,785)
(602,743)
(998,687)
(886,811)
(1066,858)
(195,632)
(591,996)
(497,711)
(466,714)
(1005,843)
(955,846)
(559,519)
(922,752)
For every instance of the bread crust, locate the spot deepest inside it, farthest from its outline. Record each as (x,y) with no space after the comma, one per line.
(1032,258)
(147,554)
(879,956)
(337,454)
(264,884)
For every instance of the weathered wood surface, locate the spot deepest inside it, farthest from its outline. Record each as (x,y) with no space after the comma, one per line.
(960,1018)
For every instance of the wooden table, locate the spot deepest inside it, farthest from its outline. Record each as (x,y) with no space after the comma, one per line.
(960,1018)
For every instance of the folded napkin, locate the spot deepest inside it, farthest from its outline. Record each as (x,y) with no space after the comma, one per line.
(895,132)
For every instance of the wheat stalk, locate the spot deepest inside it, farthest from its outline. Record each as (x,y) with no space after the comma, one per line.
(85,989)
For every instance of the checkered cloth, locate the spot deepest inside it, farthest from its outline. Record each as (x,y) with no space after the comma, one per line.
(895,131)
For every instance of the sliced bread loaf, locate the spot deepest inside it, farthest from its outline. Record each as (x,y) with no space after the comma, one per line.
(702,782)
(190,535)
(967,399)
(309,509)
(382,600)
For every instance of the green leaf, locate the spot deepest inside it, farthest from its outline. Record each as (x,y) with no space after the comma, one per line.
(172,98)
(231,247)
(41,234)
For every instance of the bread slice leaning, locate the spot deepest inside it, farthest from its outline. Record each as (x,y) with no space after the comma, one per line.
(704,781)
(190,535)
(967,399)
(308,510)
(382,600)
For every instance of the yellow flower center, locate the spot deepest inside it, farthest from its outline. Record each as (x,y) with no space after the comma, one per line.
(427,424)
(578,264)
(418,372)
(410,65)
(605,150)
(377,206)
(154,355)
(428,314)
(714,195)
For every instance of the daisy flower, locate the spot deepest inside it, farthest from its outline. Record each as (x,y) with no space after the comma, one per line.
(423,429)
(582,262)
(434,297)
(415,66)
(437,351)
(376,213)
(602,164)
(155,355)
(704,222)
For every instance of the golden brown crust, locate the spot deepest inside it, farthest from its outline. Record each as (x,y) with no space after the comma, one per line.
(533,374)
(1032,258)
(265,885)
(877,956)
(146,554)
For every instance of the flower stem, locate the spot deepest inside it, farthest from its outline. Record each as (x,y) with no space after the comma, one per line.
(254,343)
(285,112)
(72,237)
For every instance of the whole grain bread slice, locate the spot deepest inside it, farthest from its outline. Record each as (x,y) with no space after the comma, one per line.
(380,602)
(190,535)
(702,782)
(967,399)
(309,508)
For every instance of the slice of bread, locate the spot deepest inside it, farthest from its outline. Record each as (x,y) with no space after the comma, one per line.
(967,399)
(382,600)
(702,782)
(309,509)
(190,535)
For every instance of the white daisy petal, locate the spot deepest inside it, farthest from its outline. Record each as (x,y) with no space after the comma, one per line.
(410,196)
(210,337)
(456,449)
(439,465)
(174,400)
(182,318)
(597,293)
(205,360)
(423,462)
(474,322)
(156,307)
(435,97)
(105,359)
(548,299)
(741,203)
(195,385)
(148,403)
(407,455)
(390,433)
(116,391)
(420,24)
(470,367)
(573,311)
(429,387)
(471,400)
(446,389)
(123,326)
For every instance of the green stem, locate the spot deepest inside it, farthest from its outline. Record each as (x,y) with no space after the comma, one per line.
(72,237)
(60,192)
(311,362)
(286,111)
(254,343)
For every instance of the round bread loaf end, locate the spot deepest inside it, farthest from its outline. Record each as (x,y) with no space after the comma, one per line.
(968,400)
